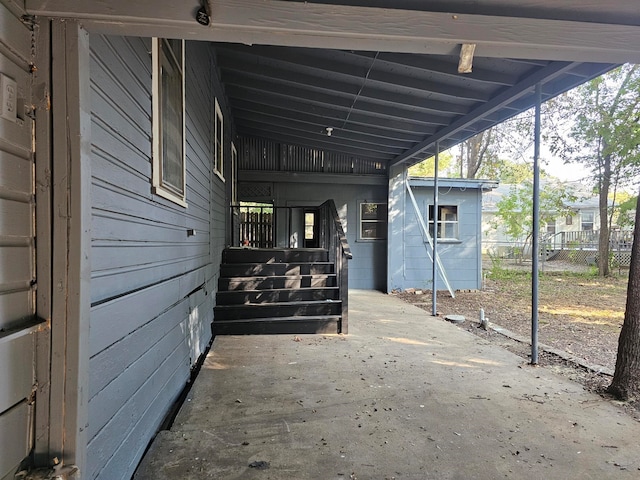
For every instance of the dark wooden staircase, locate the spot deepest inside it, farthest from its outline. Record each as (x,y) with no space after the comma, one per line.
(278,291)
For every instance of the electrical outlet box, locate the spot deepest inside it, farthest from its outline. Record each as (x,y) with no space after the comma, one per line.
(8,98)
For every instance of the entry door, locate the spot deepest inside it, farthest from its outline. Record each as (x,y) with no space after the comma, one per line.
(18,324)
(311,239)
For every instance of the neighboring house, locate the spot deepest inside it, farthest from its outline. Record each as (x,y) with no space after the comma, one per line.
(119,172)
(579,228)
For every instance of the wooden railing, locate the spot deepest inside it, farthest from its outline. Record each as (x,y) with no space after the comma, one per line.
(586,240)
(255,226)
(333,238)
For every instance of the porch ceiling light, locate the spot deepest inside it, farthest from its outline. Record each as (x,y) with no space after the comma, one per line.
(466,57)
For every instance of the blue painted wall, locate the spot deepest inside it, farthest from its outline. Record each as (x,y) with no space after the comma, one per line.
(152,285)
(367,269)
(409,263)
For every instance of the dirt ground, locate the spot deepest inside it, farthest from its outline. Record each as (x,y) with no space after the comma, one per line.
(579,313)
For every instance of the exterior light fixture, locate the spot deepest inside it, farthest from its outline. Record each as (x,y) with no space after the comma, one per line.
(329,131)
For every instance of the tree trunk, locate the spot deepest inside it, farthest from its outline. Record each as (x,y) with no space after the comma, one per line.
(626,380)
(603,203)
(473,152)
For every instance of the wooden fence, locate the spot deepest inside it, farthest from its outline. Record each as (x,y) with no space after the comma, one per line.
(256,227)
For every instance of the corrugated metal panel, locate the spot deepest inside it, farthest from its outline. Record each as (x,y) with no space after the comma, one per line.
(152,284)
(17,248)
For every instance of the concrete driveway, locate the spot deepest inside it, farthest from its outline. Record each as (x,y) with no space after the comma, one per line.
(403,396)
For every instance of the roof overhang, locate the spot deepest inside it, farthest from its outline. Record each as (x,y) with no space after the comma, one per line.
(465,183)
(382,75)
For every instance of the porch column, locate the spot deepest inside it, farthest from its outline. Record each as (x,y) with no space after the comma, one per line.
(535,243)
(71,242)
(396,205)
(434,279)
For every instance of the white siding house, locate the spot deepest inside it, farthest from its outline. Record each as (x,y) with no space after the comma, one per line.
(581,224)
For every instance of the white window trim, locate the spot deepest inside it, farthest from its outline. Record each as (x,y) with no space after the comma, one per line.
(234,174)
(158,188)
(441,222)
(361,221)
(218,163)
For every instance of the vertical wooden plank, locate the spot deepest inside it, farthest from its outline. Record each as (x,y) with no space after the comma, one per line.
(42,99)
(71,241)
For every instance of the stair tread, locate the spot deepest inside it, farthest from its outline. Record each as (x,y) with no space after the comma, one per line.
(290,277)
(297,303)
(313,262)
(274,290)
(301,318)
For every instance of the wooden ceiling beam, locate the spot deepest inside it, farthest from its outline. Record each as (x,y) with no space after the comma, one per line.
(242,116)
(320,144)
(339,66)
(400,135)
(277,22)
(337,140)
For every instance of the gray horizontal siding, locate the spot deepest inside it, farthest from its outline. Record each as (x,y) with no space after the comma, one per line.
(367,268)
(460,260)
(152,285)
(17,253)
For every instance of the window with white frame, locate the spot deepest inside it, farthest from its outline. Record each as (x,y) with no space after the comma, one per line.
(373,221)
(169,169)
(587,221)
(218,152)
(447,222)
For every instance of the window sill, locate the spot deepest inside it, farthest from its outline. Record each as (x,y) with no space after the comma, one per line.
(169,196)
(448,241)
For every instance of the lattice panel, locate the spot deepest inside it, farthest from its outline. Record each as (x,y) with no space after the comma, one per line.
(247,191)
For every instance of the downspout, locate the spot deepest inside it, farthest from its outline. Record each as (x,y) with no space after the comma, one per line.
(535,247)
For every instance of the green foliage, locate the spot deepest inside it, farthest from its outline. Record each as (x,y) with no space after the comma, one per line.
(505,171)
(515,210)
(426,168)
(625,214)
(604,135)
(502,273)
(603,115)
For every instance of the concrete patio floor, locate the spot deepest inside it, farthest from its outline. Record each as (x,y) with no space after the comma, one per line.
(403,396)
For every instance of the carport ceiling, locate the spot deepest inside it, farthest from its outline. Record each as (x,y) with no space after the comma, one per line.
(387,106)
(381,73)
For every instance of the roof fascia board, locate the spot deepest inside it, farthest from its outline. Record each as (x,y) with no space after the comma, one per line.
(278,22)
(454,183)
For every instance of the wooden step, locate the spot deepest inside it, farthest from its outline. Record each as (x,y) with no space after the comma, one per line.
(275,269)
(279,325)
(271,255)
(241,297)
(275,282)
(284,309)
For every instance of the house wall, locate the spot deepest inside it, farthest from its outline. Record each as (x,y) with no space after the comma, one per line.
(152,285)
(17,252)
(367,268)
(409,264)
